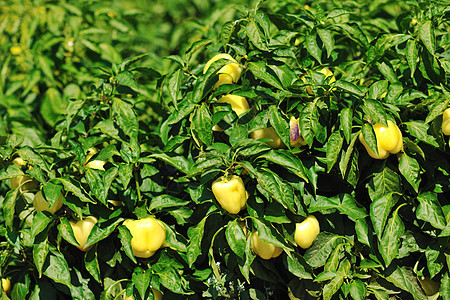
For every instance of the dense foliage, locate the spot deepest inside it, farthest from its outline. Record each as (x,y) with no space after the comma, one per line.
(111,114)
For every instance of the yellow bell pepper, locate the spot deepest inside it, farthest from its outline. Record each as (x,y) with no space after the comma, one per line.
(296,137)
(389,140)
(238,104)
(6,285)
(446,122)
(230,192)
(148,236)
(40,204)
(268,133)
(26,181)
(95,164)
(306,232)
(229,73)
(263,249)
(82,229)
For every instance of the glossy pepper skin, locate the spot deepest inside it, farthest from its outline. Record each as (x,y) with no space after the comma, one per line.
(389,140)
(6,285)
(82,229)
(238,104)
(268,133)
(229,73)
(263,249)
(148,236)
(446,122)
(230,192)
(26,181)
(306,232)
(41,204)
(294,132)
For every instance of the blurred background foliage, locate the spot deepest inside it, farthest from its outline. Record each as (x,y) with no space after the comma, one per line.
(53,51)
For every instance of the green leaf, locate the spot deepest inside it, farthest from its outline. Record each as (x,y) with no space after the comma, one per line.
(278,189)
(166,201)
(71,187)
(390,242)
(40,252)
(288,160)
(102,230)
(259,70)
(313,49)
(40,223)
(358,290)
(53,106)
(297,265)
(236,238)
(268,233)
(436,110)
(346,119)
(125,117)
(409,168)
(369,137)
(445,286)
(383,183)
(380,209)
(202,125)
(256,36)
(9,206)
(327,39)
(334,147)
(317,255)
(92,265)
(56,268)
(142,279)
(126,78)
(344,203)
(332,287)
(125,238)
(65,230)
(405,279)
(412,55)
(426,35)
(419,130)
(195,235)
(279,124)
(375,110)
(429,210)
(348,87)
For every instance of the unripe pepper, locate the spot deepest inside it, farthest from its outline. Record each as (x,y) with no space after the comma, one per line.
(306,232)
(25,180)
(81,231)
(230,192)
(294,132)
(148,236)
(389,140)
(263,249)
(429,286)
(229,73)
(268,133)
(238,104)
(40,204)
(446,122)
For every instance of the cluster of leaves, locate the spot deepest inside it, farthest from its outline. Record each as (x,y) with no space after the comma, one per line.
(384,222)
